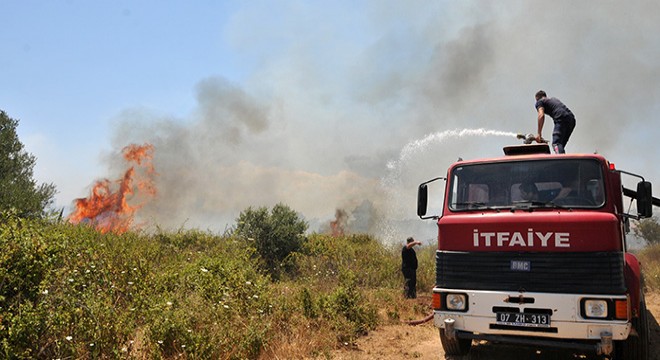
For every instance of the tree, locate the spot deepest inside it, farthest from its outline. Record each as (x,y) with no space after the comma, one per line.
(276,234)
(648,229)
(18,190)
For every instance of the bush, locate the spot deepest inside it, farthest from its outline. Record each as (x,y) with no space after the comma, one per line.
(648,229)
(426,268)
(24,260)
(275,235)
(348,313)
(331,258)
(72,292)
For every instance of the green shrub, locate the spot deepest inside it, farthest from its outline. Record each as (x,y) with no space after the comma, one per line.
(309,307)
(648,229)
(348,313)
(24,261)
(330,258)
(275,235)
(426,268)
(72,292)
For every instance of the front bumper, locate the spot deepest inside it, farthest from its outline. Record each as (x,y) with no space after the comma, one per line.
(565,320)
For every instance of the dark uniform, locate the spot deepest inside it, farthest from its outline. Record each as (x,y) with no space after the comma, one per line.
(563,118)
(409,269)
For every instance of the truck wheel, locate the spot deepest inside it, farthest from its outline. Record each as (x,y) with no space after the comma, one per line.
(636,347)
(455,346)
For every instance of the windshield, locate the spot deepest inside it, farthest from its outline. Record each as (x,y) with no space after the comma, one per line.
(571,183)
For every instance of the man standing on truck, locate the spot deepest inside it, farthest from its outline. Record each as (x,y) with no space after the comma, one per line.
(561,115)
(409,268)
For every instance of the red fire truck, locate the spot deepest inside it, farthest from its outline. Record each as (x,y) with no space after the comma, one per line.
(532,251)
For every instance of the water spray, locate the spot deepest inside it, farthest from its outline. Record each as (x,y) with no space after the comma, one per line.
(417,146)
(392,182)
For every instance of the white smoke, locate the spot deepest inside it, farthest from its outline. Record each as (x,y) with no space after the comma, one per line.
(349,103)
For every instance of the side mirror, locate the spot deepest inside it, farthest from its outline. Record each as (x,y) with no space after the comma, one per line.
(422,199)
(644,199)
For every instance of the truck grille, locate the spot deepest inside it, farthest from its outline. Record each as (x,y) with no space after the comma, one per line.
(575,273)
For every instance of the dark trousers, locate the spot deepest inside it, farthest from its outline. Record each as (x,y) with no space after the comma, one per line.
(410,283)
(561,133)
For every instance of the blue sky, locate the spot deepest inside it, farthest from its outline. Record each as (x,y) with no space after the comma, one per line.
(68,68)
(305,102)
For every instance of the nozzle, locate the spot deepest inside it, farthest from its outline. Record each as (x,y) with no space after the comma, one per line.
(526,138)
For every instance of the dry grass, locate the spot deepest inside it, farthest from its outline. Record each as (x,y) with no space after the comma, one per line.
(650,259)
(70,292)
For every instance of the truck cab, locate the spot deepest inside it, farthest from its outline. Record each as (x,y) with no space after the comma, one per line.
(532,251)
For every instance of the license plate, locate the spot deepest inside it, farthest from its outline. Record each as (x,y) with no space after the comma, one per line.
(523,319)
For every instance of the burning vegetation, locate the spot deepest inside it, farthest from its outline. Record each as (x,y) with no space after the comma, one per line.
(363,219)
(339,226)
(108,208)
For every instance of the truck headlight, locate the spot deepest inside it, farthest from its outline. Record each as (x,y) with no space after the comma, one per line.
(594,308)
(456,302)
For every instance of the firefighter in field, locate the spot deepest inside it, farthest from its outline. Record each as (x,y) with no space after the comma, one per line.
(561,115)
(409,268)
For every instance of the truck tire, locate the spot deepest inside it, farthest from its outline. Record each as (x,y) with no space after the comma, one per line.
(636,347)
(455,346)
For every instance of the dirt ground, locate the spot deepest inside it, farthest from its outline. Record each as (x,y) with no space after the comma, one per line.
(422,342)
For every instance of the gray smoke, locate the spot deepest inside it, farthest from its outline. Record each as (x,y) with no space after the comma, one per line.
(337,93)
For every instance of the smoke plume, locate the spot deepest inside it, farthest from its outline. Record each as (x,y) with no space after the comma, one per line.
(339,92)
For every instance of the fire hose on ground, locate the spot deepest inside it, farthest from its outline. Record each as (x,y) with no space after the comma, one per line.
(421,321)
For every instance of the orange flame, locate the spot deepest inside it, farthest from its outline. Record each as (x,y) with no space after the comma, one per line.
(108,210)
(339,226)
